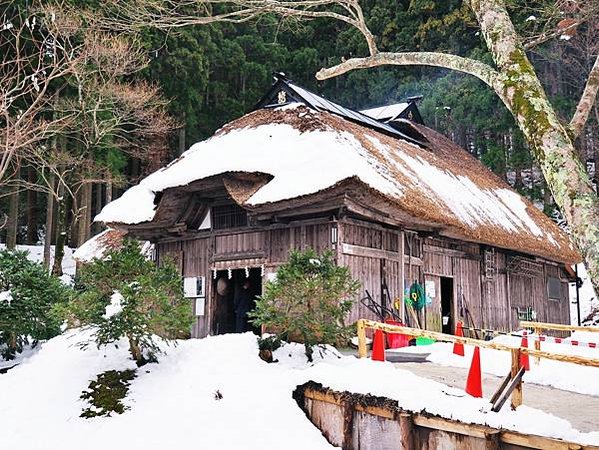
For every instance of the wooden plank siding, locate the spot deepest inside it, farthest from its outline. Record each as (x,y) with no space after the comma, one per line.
(487,298)
(196,257)
(374,253)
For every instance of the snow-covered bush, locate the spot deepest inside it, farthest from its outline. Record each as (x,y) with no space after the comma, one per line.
(27,293)
(125,295)
(308,301)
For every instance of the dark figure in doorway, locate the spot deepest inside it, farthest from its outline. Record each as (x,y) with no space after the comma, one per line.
(243,303)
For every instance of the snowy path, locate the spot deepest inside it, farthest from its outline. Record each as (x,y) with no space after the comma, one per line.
(582,411)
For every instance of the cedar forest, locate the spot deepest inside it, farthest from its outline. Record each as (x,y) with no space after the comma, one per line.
(136,102)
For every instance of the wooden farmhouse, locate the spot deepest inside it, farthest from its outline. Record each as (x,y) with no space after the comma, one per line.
(395,201)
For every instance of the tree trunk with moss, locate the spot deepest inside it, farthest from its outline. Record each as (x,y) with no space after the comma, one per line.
(549,139)
(514,80)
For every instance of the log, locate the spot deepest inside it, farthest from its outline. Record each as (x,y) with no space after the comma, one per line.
(362,351)
(517,390)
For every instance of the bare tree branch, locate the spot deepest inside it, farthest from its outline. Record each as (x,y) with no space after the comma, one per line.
(560,19)
(587,100)
(473,67)
(167,14)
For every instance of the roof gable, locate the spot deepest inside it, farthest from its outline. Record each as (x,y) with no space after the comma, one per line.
(285,92)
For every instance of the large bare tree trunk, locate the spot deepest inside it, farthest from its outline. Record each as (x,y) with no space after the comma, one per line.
(61,230)
(85,209)
(49,223)
(13,219)
(32,236)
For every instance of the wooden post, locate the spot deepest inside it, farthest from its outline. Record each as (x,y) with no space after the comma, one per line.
(362,352)
(402,276)
(517,392)
(537,345)
(406,431)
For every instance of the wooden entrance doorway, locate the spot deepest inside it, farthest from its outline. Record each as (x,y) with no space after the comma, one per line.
(447,305)
(226,286)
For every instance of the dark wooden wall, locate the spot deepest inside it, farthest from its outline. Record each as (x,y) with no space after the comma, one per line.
(493,296)
(374,253)
(235,249)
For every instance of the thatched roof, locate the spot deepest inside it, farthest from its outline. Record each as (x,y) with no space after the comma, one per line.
(98,246)
(303,152)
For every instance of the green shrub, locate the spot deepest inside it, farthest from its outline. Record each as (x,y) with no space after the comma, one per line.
(28,293)
(267,345)
(151,302)
(308,301)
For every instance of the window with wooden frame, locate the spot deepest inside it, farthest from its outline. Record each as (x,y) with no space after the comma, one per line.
(554,288)
(228,216)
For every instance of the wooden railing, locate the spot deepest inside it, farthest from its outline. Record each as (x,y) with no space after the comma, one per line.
(515,390)
(557,326)
(538,327)
(363,324)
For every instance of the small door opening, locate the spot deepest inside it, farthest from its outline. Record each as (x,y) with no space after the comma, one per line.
(233,298)
(447,305)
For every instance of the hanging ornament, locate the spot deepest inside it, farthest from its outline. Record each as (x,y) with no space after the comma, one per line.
(247,272)
(230,273)
(214,274)
(262,270)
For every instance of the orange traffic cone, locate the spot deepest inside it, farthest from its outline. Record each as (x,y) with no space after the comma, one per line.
(474,385)
(378,346)
(458,348)
(524,360)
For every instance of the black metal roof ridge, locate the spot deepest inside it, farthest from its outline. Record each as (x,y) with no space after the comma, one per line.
(320,103)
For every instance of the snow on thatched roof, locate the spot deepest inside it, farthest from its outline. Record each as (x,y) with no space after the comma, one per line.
(99,245)
(306,151)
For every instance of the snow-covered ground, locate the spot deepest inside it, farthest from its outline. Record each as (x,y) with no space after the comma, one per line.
(36,253)
(173,405)
(27,352)
(589,302)
(567,376)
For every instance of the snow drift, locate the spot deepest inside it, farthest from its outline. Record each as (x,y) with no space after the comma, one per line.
(173,405)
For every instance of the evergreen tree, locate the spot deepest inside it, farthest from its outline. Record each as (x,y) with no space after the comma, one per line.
(27,293)
(126,295)
(308,301)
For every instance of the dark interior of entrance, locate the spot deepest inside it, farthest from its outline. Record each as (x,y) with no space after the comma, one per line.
(447,305)
(225,289)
